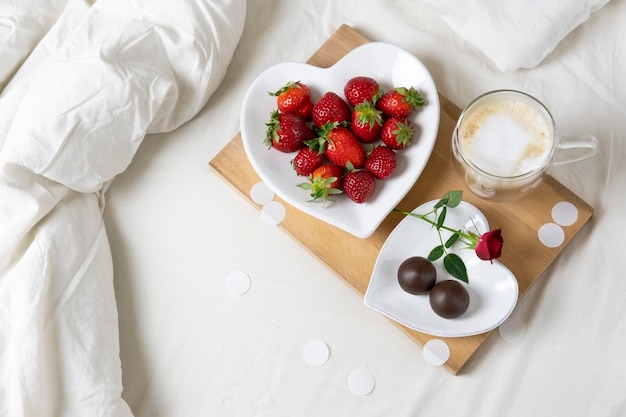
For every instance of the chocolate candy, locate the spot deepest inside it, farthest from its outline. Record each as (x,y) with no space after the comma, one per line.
(417,275)
(449,299)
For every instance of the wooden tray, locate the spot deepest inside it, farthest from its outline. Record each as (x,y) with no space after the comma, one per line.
(523,254)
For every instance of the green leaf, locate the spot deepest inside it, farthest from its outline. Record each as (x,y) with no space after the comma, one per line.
(455,266)
(453,198)
(442,217)
(451,240)
(435,254)
(441,203)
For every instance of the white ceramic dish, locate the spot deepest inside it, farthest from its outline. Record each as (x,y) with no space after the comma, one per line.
(493,288)
(391,67)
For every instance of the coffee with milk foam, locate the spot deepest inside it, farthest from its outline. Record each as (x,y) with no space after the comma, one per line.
(506,138)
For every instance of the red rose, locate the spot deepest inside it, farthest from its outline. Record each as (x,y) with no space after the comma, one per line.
(489,245)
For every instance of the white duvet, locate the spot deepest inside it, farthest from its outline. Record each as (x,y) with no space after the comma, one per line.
(82,86)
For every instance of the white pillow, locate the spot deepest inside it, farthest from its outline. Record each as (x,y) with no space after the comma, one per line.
(515,34)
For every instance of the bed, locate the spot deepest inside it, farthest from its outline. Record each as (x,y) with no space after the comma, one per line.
(119,244)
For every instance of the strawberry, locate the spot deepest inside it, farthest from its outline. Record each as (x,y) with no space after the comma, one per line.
(381,162)
(306,111)
(324,182)
(360,89)
(366,122)
(330,108)
(294,98)
(307,160)
(287,132)
(340,146)
(359,185)
(397,133)
(400,102)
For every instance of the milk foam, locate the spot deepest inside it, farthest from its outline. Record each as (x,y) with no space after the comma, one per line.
(506,138)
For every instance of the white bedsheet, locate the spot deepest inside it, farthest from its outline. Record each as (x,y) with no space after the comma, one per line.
(189,348)
(73,116)
(176,231)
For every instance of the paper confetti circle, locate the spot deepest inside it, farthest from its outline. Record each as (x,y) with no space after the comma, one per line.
(315,353)
(551,235)
(260,193)
(564,213)
(436,352)
(237,283)
(361,382)
(512,329)
(273,213)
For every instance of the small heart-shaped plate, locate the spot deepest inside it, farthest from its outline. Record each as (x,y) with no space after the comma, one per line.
(391,67)
(492,287)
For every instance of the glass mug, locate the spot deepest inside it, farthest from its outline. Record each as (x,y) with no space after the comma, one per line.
(505,142)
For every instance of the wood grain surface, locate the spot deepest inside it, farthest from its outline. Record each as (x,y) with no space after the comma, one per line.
(353,258)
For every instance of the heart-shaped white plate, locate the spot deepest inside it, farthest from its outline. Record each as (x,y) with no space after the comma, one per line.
(391,67)
(492,287)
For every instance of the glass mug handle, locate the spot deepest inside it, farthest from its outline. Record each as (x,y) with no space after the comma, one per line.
(575,148)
